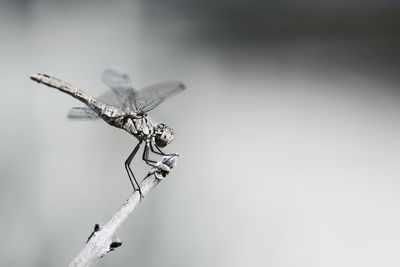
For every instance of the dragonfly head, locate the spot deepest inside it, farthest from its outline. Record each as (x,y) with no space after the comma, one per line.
(163,135)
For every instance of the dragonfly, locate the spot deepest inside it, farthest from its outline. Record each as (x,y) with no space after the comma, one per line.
(126,108)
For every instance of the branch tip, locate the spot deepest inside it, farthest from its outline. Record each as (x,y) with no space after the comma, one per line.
(102,240)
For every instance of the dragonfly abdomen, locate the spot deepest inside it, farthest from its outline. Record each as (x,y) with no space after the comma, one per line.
(67,88)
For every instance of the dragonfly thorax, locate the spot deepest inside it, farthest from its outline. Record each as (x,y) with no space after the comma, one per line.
(134,114)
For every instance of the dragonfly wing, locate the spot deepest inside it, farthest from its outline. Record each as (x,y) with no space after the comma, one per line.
(120,98)
(121,94)
(82,113)
(150,97)
(116,78)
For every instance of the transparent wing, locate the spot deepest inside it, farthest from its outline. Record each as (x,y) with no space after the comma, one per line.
(116,78)
(150,97)
(119,98)
(82,113)
(123,95)
(121,88)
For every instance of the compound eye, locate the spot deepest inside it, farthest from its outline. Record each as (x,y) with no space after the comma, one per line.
(161,142)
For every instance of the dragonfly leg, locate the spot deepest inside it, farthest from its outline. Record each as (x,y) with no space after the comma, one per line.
(148,161)
(129,170)
(160,152)
(145,156)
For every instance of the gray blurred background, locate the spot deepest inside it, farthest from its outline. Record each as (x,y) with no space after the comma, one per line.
(288,132)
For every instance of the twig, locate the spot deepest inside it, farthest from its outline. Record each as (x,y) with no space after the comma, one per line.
(102,239)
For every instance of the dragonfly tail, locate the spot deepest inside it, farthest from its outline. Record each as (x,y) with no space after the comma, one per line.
(67,88)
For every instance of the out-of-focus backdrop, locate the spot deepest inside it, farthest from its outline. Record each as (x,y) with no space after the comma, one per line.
(288,132)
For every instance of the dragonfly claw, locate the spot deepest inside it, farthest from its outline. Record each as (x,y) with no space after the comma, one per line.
(161,171)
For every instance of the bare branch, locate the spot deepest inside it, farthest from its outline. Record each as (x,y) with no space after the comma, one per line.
(102,240)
